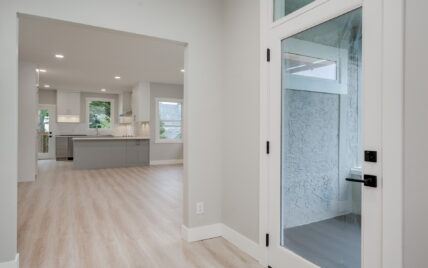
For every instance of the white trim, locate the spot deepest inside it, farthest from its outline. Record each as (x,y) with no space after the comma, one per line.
(201,233)
(11,264)
(157,130)
(166,162)
(112,112)
(242,242)
(266,18)
(392,133)
(221,230)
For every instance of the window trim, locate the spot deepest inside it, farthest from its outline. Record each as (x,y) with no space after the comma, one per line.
(112,112)
(157,127)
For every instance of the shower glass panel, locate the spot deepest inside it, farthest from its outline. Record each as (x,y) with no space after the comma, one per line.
(320,142)
(284,7)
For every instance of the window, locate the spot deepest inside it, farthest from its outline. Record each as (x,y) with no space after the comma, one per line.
(100,113)
(311,66)
(169,127)
(284,7)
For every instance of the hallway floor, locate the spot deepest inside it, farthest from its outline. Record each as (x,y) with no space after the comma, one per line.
(122,217)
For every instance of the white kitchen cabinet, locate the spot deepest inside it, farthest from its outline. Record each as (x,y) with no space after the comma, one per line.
(141,102)
(68,107)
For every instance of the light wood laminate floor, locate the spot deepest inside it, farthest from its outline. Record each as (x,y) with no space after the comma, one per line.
(122,217)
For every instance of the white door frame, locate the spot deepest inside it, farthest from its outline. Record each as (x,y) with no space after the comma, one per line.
(52,124)
(389,77)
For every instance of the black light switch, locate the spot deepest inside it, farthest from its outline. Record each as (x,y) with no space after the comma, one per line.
(370,156)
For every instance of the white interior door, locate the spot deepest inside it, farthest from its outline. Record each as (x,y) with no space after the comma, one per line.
(45,131)
(325,111)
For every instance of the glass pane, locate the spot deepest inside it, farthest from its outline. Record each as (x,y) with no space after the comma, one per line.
(100,114)
(170,130)
(284,7)
(310,66)
(320,146)
(43,130)
(169,110)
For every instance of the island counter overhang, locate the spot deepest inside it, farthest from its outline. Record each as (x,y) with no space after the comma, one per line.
(111,152)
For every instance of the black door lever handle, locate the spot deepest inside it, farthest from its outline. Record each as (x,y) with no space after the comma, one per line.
(369,180)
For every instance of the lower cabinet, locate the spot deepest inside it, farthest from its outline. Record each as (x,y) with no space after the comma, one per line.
(104,153)
(137,152)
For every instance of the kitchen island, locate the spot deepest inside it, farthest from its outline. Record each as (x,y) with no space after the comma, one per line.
(110,152)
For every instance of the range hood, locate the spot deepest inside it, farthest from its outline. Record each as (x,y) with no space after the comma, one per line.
(126,114)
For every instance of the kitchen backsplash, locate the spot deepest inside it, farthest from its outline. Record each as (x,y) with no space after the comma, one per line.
(135,129)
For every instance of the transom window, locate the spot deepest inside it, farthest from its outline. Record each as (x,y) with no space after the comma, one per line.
(169,125)
(282,8)
(100,113)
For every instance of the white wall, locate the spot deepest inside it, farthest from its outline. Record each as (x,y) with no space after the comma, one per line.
(9,132)
(163,151)
(415,135)
(240,108)
(27,116)
(196,22)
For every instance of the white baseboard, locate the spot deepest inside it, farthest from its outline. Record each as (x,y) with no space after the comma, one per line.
(201,233)
(242,242)
(11,264)
(216,230)
(166,162)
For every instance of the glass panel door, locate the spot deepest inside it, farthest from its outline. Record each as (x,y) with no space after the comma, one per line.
(320,142)
(284,7)
(45,128)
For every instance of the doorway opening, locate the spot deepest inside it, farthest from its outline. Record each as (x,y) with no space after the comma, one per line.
(99,131)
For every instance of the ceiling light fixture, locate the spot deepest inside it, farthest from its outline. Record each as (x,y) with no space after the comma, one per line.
(41,70)
(103,90)
(59,56)
(47,86)
(117,77)
(182,70)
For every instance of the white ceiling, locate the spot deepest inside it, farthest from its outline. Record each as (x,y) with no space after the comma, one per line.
(93,56)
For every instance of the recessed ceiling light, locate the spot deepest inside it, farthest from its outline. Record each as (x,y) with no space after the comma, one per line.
(59,56)
(47,86)
(182,70)
(103,90)
(41,70)
(117,77)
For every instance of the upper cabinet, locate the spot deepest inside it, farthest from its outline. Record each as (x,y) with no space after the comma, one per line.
(68,107)
(141,102)
(125,107)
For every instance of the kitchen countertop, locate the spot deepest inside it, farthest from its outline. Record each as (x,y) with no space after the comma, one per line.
(101,138)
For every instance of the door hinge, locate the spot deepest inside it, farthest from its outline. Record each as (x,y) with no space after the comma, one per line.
(267,147)
(268,55)
(267,240)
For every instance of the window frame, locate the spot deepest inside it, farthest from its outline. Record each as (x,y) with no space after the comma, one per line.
(158,121)
(112,112)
